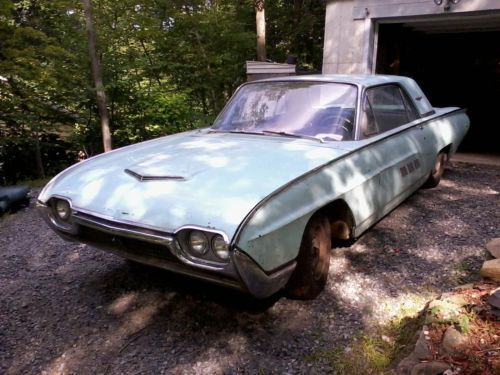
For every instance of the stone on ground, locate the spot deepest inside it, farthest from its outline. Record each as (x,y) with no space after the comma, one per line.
(430,368)
(491,269)
(493,247)
(494,298)
(452,341)
(421,352)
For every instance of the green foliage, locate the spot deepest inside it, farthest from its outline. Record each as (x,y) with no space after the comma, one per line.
(157,114)
(296,27)
(205,50)
(445,313)
(168,66)
(18,157)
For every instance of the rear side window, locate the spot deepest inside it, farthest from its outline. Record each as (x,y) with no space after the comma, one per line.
(386,107)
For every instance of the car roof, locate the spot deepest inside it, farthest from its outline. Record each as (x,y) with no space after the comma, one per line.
(363,81)
(357,79)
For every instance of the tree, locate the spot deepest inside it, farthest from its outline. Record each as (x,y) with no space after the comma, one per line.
(38,83)
(167,66)
(204,50)
(97,76)
(260,21)
(296,27)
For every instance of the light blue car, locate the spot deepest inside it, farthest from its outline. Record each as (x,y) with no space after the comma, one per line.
(255,201)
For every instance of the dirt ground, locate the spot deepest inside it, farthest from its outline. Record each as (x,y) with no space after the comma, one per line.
(68,308)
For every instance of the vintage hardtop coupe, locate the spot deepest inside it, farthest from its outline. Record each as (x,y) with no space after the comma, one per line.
(254,201)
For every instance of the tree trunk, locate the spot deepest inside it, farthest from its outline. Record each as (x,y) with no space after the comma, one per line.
(97,76)
(38,156)
(260,21)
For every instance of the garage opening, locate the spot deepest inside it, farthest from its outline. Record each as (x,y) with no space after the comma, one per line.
(456,63)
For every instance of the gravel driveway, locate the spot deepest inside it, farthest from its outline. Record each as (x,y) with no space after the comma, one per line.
(68,308)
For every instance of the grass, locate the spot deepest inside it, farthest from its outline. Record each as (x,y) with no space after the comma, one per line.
(378,351)
(34,183)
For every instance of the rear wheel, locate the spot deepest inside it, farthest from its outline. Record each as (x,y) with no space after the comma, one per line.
(437,171)
(313,262)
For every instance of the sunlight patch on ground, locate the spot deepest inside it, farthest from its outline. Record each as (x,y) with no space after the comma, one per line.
(469,189)
(405,304)
(379,307)
(371,292)
(122,303)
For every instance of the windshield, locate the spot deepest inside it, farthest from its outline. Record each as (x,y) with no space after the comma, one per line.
(301,109)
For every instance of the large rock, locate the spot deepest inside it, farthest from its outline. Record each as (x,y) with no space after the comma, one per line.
(440,311)
(456,299)
(421,352)
(452,341)
(491,269)
(494,298)
(493,247)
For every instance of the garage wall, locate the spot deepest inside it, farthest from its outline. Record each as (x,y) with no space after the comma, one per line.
(344,40)
(408,8)
(351,27)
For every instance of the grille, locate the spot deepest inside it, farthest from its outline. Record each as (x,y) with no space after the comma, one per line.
(129,245)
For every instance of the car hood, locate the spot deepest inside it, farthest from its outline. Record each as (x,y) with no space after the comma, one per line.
(198,178)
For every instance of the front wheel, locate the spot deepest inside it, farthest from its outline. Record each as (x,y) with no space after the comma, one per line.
(313,261)
(437,171)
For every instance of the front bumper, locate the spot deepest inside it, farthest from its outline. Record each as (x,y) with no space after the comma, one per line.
(161,250)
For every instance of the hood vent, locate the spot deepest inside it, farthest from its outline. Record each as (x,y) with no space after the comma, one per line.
(153,178)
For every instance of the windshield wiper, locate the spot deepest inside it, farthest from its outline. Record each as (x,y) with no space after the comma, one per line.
(236,132)
(293,135)
(245,132)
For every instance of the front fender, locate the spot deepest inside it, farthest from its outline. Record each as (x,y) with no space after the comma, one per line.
(271,234)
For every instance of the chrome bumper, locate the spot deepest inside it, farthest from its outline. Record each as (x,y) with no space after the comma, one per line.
(161,250)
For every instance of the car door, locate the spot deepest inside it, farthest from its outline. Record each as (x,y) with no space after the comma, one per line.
(390,121)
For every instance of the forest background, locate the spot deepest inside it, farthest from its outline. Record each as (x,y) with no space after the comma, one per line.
(167,66)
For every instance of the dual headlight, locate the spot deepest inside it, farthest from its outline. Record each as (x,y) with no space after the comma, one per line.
(62,210)
(60,215)
(200,244)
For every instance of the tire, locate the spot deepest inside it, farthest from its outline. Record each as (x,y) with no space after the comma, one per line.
(313,261)
(437,171)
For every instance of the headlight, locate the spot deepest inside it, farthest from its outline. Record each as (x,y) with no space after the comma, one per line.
(62,209)
(198,242)
(220,247)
